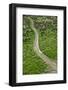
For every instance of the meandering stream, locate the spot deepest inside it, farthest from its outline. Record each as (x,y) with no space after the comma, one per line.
(52,65)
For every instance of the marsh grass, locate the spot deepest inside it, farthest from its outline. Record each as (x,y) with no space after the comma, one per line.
(32,64)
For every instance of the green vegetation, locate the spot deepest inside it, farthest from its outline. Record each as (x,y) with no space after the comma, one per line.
(48,43)
(47,29)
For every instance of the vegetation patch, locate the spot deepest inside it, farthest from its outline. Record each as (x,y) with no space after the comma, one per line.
(47,29)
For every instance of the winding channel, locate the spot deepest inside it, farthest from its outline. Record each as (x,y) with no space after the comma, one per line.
(52,65)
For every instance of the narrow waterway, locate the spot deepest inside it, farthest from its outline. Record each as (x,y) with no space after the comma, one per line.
(52,65)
